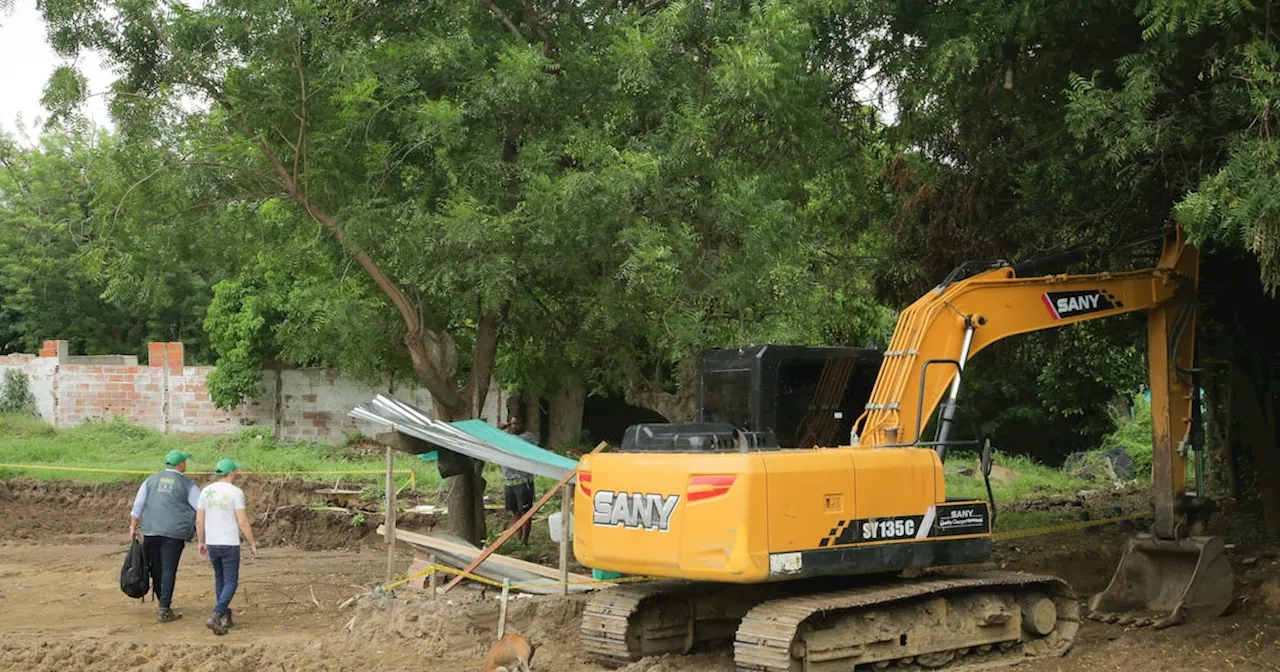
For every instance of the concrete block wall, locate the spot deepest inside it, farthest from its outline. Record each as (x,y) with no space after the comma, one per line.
(167,395)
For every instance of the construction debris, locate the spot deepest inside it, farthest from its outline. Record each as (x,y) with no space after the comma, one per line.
(524,576)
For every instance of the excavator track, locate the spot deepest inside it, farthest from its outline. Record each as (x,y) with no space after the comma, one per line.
(630,622)
(946,621)
(953,621)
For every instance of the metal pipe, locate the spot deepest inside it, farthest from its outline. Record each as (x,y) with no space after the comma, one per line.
(949,410)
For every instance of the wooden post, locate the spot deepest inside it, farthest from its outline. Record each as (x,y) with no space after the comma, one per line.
(565,511)
(431,577)
(502,610)
(391,516)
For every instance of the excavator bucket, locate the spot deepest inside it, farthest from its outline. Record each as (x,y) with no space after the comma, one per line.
(1164,582)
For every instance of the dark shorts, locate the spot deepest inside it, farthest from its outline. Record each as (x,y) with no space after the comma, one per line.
(519,497)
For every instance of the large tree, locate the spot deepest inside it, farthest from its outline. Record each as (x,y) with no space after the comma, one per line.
(395,183)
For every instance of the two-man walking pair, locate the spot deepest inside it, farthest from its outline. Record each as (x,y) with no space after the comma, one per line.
(169,508)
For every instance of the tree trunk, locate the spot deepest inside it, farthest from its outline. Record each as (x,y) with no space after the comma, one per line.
(566,410)
(466,490)
(533,417)
(675,407)
(1258,432)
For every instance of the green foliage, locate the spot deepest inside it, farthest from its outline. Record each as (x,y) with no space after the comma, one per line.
(54,198)
(1194,100)
(16,398)
(1134,436)
(238,333)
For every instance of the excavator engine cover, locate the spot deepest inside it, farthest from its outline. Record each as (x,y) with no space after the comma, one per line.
(1166,582)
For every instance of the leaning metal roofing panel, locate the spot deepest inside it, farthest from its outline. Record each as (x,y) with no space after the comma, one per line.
(464,437)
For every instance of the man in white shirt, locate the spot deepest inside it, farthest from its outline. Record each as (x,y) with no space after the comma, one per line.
(220,518)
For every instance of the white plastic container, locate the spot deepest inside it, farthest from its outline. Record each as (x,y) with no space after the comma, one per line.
(553,521)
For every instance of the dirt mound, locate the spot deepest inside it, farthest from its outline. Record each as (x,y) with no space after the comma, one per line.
(36,510)
(88,654)
(465,624)
(326,530)
(280,510)
(91,655)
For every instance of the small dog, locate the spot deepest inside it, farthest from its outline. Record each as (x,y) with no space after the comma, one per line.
(513,653)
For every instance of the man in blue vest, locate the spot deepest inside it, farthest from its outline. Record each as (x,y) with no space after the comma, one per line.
(166,508)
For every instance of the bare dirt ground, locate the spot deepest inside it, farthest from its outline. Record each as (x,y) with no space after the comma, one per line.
(61,548)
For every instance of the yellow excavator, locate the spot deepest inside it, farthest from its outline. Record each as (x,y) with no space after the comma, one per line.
(832,558)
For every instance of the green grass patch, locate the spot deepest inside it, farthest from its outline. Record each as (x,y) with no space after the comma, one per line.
(119,445)
(1032,480)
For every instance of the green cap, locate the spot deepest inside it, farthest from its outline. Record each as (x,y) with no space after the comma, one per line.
(225,466)
(175,457)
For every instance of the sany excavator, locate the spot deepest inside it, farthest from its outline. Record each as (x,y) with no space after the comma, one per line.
(832,558)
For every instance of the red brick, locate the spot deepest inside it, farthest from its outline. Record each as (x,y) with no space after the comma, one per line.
(174,351)
(309,398)
(155,354)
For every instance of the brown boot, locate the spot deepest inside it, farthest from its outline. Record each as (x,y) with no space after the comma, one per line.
(167,615)
(227,622)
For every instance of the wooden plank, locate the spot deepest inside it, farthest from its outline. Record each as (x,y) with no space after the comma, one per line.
(528,515)
(502,612)
(391,516)
(437,544)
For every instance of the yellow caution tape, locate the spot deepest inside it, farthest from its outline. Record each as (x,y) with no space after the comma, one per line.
(413,476)
(1062,527)
(94,470)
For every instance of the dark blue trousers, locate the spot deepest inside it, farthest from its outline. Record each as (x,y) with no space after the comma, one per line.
(226,575)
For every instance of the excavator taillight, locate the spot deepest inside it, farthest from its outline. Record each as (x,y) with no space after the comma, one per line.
(706,487)
(584,482)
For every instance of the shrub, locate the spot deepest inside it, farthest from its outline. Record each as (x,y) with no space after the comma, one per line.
(1134,436)
(15,395)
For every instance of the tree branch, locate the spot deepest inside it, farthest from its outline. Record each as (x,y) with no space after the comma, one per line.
(488,333)
(531,17)
(502,16)
(302,119)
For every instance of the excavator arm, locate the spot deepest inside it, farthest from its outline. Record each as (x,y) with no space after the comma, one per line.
(1167,571)
(938,334)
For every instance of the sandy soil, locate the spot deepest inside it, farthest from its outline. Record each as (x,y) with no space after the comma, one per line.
(62,547)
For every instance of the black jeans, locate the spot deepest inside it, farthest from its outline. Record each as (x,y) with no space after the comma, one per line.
(163,554)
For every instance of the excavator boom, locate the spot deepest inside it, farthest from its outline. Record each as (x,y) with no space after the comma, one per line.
(1168,573)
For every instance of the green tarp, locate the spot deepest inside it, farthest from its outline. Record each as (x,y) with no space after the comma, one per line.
(514,444)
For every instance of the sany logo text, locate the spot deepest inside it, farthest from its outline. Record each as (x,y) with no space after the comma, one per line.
(634,510)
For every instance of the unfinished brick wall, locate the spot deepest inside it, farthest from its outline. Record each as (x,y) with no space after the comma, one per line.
(167,395)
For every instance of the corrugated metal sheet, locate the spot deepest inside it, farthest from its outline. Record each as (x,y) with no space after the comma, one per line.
(464,437)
